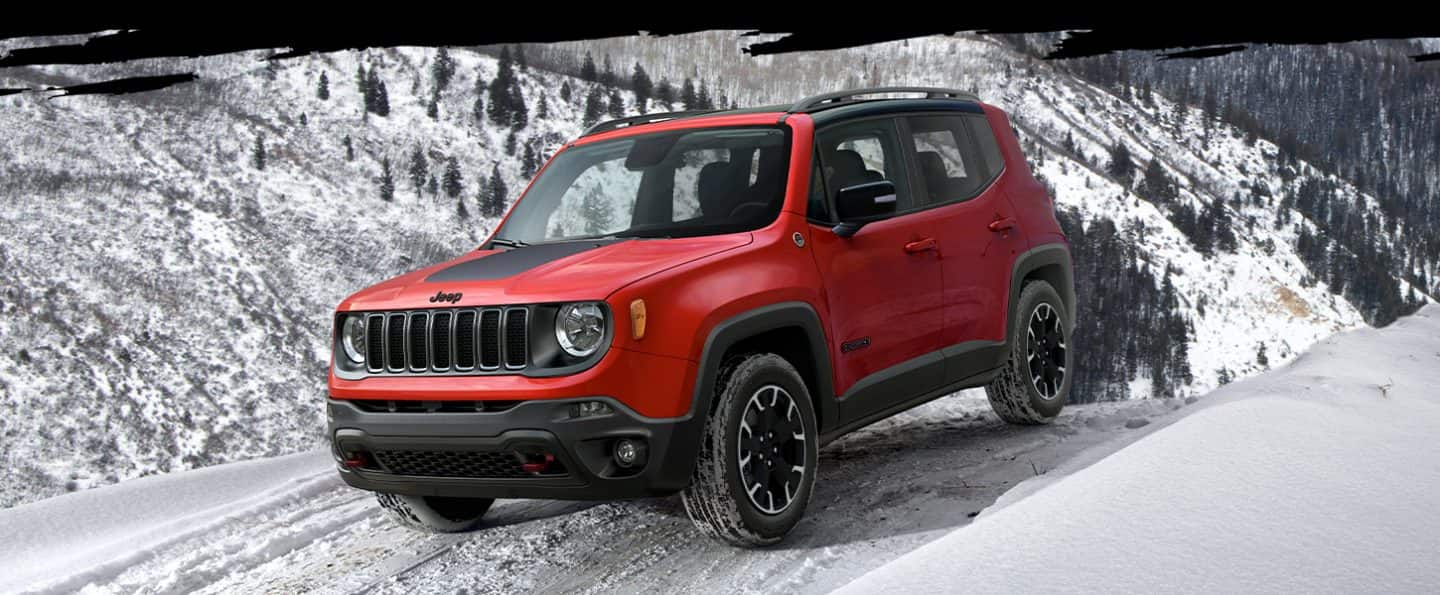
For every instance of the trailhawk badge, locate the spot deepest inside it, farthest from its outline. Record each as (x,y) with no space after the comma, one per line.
(448,298)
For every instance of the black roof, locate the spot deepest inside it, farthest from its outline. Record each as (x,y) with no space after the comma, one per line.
(826,104)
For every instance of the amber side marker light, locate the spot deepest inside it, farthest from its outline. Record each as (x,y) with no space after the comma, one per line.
(637,319)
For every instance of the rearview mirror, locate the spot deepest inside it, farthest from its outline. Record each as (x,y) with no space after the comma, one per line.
(862,203)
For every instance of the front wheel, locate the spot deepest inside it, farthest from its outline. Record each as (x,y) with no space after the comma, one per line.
(1035,382)
(758,455)
(436,514)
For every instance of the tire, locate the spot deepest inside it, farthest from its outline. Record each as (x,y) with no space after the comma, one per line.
(436,514)
(1015,394)
(752,389)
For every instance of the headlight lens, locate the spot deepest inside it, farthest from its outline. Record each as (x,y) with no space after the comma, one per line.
(352,338)
(579,328)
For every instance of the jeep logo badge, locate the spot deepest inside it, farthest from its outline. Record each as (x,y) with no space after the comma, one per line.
(448,298)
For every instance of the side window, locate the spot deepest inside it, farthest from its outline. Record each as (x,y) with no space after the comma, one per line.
(946,159)
(989,148)
(862,152)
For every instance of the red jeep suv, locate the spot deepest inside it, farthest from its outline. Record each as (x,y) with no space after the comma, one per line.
(695,302)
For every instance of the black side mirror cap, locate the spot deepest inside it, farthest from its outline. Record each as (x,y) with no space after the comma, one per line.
(862,203)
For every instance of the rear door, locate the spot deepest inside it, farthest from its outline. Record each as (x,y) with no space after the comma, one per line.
(976,234)
(883,285)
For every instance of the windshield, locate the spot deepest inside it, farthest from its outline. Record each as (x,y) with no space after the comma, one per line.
(667,184)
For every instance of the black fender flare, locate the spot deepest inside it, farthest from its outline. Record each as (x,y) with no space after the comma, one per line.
(1050,263)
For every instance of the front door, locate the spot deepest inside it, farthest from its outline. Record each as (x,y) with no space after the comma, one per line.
(883,285)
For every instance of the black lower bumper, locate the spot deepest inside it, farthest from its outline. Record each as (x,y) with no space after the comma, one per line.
(581,448)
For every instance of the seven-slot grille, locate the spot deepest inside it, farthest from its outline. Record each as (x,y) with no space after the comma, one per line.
(447,341)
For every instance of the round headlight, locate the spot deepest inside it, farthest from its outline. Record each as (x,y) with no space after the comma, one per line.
(579,328)
(352,338)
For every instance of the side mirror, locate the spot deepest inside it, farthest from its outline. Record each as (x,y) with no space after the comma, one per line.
(862,203)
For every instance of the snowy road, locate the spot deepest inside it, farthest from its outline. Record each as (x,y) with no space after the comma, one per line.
(883,491)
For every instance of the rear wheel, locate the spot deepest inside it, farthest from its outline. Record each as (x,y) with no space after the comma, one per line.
(758,457)
(1035,382)
(436,514)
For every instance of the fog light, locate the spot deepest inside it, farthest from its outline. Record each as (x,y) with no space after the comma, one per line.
(629,453)
(590,409)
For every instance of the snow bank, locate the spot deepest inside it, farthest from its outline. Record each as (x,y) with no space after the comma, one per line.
(1318,477)
(105,530)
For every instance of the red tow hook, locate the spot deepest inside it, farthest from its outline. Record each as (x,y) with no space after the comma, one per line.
(538,467)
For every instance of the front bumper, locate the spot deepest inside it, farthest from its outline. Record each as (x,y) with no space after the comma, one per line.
(581,446)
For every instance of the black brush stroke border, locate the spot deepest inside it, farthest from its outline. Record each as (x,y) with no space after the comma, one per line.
(122,39)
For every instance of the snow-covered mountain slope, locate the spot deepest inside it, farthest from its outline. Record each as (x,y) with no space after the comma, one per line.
(1317,477)
(166,304)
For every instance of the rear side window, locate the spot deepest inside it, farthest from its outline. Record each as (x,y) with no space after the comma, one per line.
(946,159)
(989,148)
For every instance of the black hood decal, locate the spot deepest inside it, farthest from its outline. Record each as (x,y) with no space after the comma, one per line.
(514,261)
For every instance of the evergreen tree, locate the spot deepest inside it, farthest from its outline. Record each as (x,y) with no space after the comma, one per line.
(1121,166)
(519,114)
(257,155)
(702,97)
(453,186)
(520,57)
(688,99)
(595,210)
(1260,357)
(387,183)
(565,91)
(1156,185)
(616,105)
(642,86)
(419,169)
(501,96)
(322,89)
(432,186)
(362,82)
(432,107)
(442,70)
(544,109)
(304,119)
(349,149)
(665,94)
(460,210)
(378,98)
(607,76)
(594,106)
(587,70)
(498,194)
(511,144)
(530,162)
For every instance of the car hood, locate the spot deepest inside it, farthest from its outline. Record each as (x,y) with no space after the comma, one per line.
(553,272)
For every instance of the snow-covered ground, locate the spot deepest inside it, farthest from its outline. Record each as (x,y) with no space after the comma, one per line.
(1320,477)
(288,524)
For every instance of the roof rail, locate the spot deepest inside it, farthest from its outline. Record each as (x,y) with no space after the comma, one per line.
(825,100)
(651,118)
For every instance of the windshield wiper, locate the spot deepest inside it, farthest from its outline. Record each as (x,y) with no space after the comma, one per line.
(508,242)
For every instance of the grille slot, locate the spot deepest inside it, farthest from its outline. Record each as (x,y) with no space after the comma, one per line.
(449,463)
(516,331)
(395,342)
(448,341)
(418,335)
(490,339)
(410,406)
(440,341)
(465,340)
(375,342)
